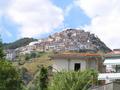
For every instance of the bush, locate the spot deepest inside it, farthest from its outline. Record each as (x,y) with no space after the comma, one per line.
(73,80)
(42,80)
(9,77)
(21,62)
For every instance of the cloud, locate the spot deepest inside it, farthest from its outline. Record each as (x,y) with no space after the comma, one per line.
(3,31)
(68,9)
(35,17)
(105,19)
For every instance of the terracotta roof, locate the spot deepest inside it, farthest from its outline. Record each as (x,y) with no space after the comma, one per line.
(76,56)
(114,54)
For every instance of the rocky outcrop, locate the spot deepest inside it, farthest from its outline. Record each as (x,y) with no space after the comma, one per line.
(75,40)
(67,40)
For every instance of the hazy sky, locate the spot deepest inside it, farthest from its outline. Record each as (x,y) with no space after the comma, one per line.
(39,18)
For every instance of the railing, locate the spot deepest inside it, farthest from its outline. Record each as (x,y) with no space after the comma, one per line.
(110,86)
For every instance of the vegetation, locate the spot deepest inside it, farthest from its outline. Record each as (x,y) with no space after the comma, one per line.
(39,79)
(9,77)
(1,51)
(26,77)
(19,43)
(31,68)
(32,64)
(42,80)
(73,80)
(29,57)
(34,55)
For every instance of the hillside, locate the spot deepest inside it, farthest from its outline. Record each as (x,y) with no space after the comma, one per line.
(75,40)
(19,43)
(67,40)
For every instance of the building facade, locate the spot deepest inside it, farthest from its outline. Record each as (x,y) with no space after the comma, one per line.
(76,61)
(112,63)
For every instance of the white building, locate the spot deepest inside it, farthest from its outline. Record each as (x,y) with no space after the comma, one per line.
(11,54)
(112,63)
(76,61)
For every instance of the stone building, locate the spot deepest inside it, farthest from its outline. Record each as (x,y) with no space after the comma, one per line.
(76,61)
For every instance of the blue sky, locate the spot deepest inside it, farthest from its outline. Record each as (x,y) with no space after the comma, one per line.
(40,18)
(74,19)
(8,25)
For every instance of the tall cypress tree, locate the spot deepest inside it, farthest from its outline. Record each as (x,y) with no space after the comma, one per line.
(2,55)
(42,80)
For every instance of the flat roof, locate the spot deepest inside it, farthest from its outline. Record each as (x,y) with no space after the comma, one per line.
(112,62)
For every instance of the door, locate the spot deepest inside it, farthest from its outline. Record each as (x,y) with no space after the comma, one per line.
(77,66)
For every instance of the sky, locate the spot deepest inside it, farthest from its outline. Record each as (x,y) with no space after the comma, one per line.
(40,18)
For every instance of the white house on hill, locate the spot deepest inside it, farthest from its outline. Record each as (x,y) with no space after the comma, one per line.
(76,61)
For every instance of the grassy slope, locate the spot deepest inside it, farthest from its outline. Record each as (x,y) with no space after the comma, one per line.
(32,65)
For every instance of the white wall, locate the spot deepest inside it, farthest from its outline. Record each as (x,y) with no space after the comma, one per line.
(83,64)
(92,64)
(62,64)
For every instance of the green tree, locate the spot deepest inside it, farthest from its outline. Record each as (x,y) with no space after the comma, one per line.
(9,77)
(42,80)
(73,80)
(33,55)
(2,55)
(27,57)
(19,43)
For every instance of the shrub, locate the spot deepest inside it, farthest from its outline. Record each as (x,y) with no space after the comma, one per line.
(73,80)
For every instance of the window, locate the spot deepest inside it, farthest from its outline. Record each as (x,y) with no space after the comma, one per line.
(77,66)
(118,68)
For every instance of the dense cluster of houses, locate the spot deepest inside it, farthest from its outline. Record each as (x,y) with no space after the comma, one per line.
(68,40)
(71,40)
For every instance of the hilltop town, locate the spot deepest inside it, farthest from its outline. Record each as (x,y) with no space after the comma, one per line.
(67,40)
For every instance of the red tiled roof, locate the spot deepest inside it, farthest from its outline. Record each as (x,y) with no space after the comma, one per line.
(76,55)
(81,54)
(114,53)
